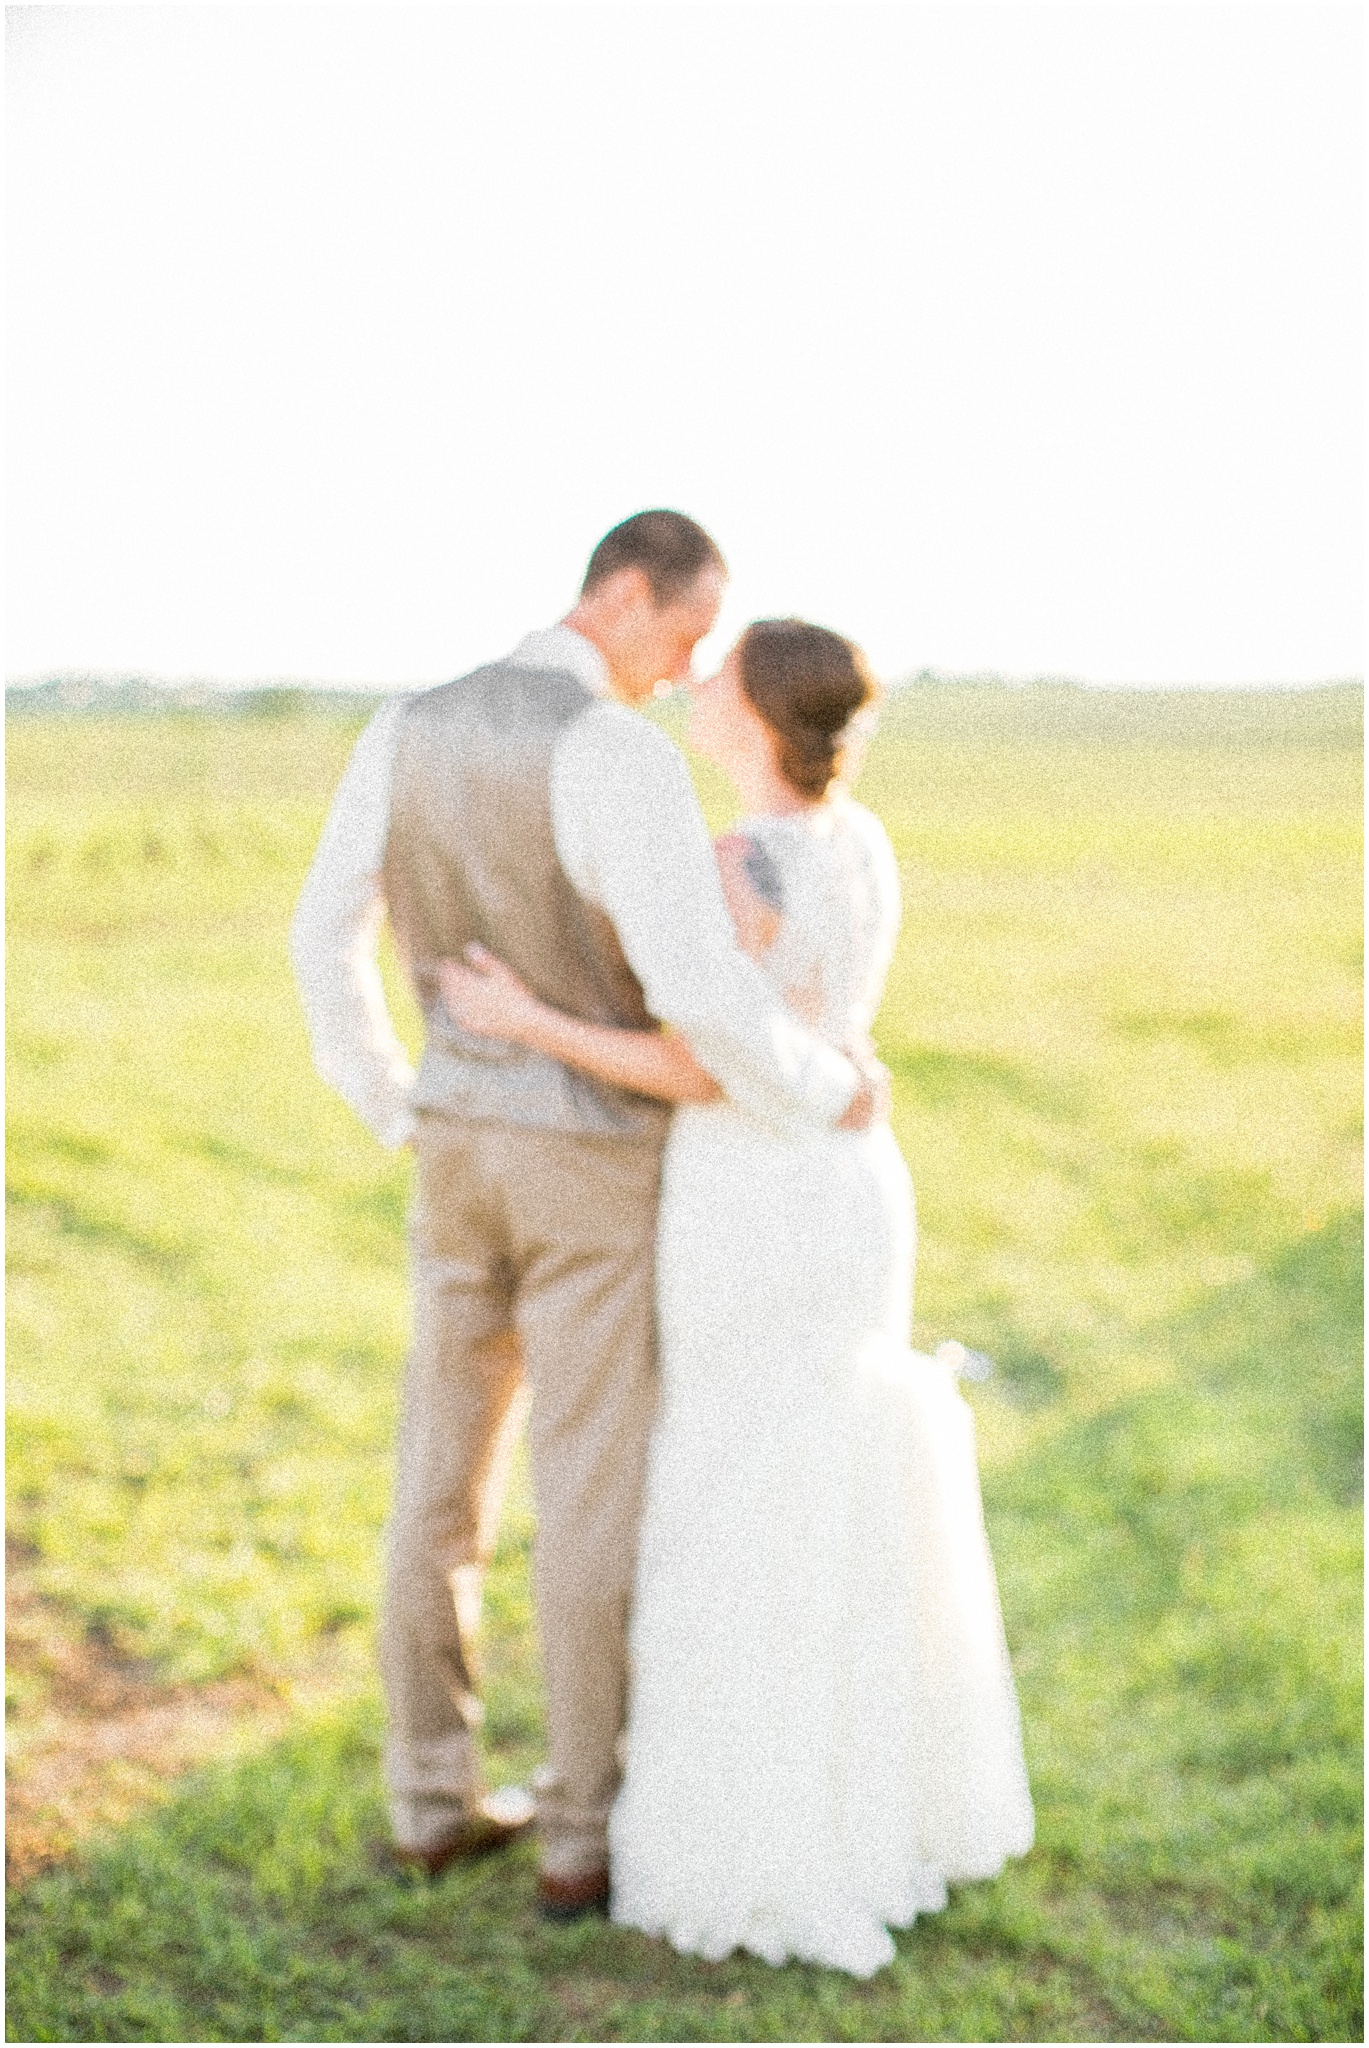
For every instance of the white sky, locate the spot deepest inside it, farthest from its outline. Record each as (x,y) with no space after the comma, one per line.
(1015,338)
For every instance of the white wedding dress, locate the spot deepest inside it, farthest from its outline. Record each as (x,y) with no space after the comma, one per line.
(823,1730)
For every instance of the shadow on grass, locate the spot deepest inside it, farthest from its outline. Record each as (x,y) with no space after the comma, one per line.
(1259,1423)
(1228,1040)
(254,1165)
(71,1219)
(261,1905)
(939,1076)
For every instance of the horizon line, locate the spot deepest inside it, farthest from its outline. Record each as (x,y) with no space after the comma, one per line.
(926,675)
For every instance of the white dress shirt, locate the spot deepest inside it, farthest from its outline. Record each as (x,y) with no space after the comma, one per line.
(631,837)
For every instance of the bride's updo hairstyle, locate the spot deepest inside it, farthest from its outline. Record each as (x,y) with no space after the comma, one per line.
(808,685)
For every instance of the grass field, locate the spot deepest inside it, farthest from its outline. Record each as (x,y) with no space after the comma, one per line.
(1124,1026)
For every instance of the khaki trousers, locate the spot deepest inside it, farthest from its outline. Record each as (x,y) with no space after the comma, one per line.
(533,1255)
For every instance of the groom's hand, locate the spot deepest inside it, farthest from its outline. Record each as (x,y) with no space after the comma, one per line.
(873,1099)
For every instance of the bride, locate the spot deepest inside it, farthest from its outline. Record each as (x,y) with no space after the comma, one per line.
(822,1731)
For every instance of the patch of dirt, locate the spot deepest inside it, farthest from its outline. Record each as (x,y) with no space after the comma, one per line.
(1093,2015)
(92,1736)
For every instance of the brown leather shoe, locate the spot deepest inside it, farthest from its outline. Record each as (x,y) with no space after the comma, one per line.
(572,1898)
(500,1818)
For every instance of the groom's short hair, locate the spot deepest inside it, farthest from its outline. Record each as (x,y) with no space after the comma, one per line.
(669,548)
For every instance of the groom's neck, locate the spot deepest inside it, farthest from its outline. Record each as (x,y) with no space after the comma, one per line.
(623,679)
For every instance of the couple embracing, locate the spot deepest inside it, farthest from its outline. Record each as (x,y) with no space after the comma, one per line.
(655,1188)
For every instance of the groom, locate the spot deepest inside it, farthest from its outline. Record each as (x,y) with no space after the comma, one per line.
(526,806)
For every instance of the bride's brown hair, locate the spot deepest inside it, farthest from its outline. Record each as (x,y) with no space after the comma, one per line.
(807,684)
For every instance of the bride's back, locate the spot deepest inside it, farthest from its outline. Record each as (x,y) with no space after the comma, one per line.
(831,875)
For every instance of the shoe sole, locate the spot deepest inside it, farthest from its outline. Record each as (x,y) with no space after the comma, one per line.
(465,1852)
(563,1916)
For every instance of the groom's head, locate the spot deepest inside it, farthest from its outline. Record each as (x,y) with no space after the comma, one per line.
(652,590)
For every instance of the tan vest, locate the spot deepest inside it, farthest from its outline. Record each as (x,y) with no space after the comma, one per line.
(471,855)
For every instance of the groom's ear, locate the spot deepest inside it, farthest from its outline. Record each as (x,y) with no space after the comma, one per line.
(626,591)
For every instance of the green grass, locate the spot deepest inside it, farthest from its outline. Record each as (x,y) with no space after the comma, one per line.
(1124,1027)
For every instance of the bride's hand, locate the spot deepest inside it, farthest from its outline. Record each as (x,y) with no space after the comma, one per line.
(484,996)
